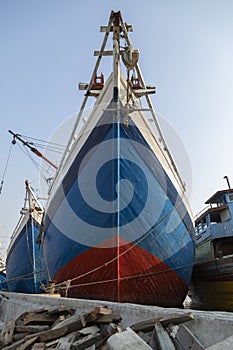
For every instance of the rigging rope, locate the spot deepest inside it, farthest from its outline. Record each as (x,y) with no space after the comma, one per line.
(4,172)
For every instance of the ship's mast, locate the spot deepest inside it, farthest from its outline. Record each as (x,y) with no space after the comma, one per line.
(129,57)
(116,58)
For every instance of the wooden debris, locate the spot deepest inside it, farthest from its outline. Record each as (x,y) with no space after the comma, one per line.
(65,342)
(102,310)
(31,329)
(53,334)
(108,318)
(85,342)
(39,319)
(62,328)
(145,326)
(163,340)
(73,323)
(39,346)
(176,320)
(27,343)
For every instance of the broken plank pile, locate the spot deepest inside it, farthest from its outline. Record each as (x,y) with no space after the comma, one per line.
(62,328)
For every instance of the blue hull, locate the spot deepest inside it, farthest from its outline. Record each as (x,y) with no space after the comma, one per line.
(23,264)
(141,210)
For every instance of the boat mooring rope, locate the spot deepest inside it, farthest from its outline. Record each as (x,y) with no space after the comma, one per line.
(66,285)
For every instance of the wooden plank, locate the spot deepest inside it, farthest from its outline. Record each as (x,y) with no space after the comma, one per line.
(73,323)
(163,339)
(39,319)
(102,310)
(104,29)
(27,343)
(31,329)
(183,338)
(15,345)
(107,331)
(39,346)
(53,334)
(89,330)
(113,318)
(58,320)
(176,320)
(52,343)
(145,326)
(65,342)
(85,342)
(153,344)
(62,310)
(18,336)
(106,53)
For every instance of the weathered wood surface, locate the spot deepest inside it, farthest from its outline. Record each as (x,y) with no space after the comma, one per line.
(31,329)
(39,319)
(73,323)
(108,318)
(145,326)
(163,339)
(27,343)
(85,342)
(66,342)
(176,320)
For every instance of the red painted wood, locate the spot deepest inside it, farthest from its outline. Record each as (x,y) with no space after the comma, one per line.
(142,278)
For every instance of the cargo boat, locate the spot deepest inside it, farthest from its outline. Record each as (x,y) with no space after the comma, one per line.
(118,225)
(23,263)
(212,281)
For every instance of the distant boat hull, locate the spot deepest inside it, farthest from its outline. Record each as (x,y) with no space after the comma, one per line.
(3,284)
(23,264)
(212,285)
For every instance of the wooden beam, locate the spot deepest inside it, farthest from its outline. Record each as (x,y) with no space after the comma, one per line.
(106,52)
(163,339)
(177,320)
(104,29)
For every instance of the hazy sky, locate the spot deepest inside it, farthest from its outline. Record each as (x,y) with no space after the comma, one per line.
(186,50)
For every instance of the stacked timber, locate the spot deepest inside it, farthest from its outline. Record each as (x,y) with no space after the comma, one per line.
(62,328)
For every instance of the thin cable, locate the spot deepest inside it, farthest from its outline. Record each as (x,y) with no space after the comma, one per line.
(4,172)
(122,278)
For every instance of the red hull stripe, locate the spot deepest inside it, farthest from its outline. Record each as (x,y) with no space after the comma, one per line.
(136,276)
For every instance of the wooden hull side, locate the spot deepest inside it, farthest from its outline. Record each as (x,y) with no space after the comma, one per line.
(212,285)
(142,253)
(136,276)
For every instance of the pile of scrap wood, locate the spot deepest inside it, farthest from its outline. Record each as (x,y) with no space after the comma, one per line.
(62,328)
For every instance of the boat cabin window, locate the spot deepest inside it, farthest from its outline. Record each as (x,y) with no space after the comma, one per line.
(221,201)
(231,197)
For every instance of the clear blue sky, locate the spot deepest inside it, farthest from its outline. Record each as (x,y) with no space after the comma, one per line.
(186,50)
